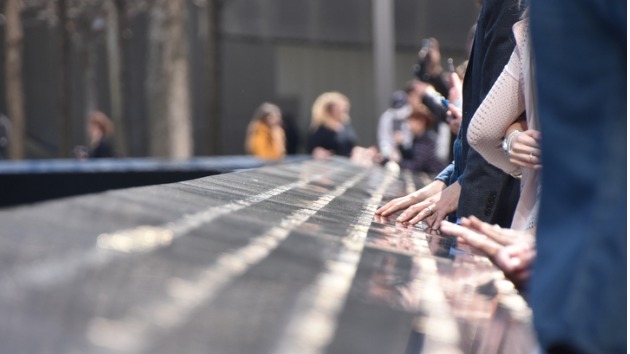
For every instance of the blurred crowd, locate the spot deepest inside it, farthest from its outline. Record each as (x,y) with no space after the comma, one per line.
(538,68)
(416,132)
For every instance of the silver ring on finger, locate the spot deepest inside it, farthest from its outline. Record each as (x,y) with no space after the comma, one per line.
(430,209)
(531,155)
(433,226)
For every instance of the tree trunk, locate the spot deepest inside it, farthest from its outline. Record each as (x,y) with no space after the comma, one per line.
(214,78)
(89,70)
(123,37)
(13,69)
(65,99)
(114,56)
(168,83)
(155,84)
(176,51)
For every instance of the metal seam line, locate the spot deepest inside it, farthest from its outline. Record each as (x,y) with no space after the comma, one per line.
(311,329)
(437,323)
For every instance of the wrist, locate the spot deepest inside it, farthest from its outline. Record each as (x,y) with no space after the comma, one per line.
(433,188)
(440,185)
(509,141)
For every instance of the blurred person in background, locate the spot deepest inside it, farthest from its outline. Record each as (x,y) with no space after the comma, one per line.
(433,86)
(291,132)
(265,135)
(429,68)
(421,155)
(5,132)
(100,130)
(331,133)
(415,90)
(392,122)
(439,84)
(449,128)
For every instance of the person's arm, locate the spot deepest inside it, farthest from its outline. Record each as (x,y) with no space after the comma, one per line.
(519,125)
(454,118)
(503,105)
(385,134)
(511,251)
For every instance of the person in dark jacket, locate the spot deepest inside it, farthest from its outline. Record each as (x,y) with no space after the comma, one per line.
(470,185)
(331,132)
(100,130)
(421,155)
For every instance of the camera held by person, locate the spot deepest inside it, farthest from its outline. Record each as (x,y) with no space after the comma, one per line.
(437,104)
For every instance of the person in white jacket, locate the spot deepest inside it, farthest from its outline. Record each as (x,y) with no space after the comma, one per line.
(392,122)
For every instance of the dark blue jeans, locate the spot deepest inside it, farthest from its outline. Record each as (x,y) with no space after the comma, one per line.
(578,287)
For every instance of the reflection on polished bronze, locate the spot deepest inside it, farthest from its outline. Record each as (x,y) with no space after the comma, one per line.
(282,259)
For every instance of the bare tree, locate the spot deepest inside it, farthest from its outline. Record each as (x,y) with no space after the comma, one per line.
(214,8)
(65,99)
(115,27)
(176,52)
(13,70)
(156,84)
(91,24)
(168,82)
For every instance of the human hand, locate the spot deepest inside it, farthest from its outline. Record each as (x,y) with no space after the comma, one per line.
(454,118)
(81,152)
(433,209)
(511,251)
(496,233)
(525,151)
(455,92)
(364,156)
(375,156)
(516,261)
(420,195)
(399,138)
(487,246)
(319,153)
